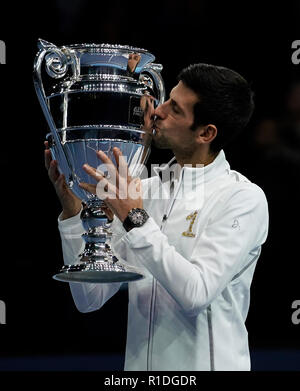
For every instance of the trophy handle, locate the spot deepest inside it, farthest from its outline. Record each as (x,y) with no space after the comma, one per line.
(57,62)
(154,70)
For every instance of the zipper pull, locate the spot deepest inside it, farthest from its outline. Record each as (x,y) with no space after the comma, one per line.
(162,222)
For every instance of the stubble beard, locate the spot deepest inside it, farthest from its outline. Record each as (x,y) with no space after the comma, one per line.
(160,142)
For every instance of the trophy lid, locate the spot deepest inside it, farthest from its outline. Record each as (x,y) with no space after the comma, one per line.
(88,57)
(92,54)
(107,48)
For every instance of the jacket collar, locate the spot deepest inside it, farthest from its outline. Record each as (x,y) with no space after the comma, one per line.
(219,166)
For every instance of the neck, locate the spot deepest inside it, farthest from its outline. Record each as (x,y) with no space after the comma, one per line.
(199,157)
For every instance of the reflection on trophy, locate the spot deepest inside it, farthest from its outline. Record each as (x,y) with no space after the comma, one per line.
(91,97)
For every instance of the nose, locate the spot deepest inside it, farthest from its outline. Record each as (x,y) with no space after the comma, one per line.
(160,112)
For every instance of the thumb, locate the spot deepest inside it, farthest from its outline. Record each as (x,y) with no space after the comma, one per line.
(138,185)
(134,189)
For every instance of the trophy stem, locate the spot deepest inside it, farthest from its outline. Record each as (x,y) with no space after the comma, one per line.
(97,262)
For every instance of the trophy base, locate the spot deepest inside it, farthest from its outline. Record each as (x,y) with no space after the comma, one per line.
(97,272)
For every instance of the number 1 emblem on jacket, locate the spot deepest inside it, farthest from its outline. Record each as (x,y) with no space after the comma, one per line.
(192,218)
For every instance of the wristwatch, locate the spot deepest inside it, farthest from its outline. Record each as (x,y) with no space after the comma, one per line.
(136,218)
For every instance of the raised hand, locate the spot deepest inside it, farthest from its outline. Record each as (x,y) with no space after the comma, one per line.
(71,205)
(119,191)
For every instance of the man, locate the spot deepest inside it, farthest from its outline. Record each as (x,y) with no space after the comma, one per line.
(197,251)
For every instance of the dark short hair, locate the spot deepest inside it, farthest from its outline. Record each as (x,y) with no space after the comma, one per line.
(225,100)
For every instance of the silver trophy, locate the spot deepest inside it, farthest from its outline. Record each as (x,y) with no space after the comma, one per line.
(91,97)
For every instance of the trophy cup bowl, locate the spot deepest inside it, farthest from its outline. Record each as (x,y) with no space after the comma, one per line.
(91,97)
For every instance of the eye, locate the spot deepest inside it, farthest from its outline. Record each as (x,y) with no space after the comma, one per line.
(174,107)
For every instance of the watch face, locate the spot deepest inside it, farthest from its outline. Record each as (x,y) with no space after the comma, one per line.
(138,216)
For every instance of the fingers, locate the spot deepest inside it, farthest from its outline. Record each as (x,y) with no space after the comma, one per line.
(98,177)
(97,172)
(53,171)
(51,165)
(103,189)
(48,156)
(111,168)
(117,152)
(109,213)
(60,184)
(116,185)
(48,159)
(93,172)
(88,187)
(147,104)
(121,161)
(135,189)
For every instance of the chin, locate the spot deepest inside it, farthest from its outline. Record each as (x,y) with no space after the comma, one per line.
(159,143)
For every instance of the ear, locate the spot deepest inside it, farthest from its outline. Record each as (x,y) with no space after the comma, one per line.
(206,134)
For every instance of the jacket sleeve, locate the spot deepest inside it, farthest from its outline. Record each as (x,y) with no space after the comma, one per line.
(87,297)
(239,226)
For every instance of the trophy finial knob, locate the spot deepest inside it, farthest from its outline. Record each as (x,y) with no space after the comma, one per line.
(42,44)
(56,64)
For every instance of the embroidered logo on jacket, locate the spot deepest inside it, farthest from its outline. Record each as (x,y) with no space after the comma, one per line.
(192,218)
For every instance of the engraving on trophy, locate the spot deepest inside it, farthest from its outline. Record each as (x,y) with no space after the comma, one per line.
(136,113)
(91,97)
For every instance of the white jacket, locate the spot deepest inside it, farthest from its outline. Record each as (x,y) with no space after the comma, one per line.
(189,312)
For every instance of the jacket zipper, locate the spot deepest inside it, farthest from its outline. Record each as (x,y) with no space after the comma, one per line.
(150,337)
(152,305)
(210,339)
(154,285)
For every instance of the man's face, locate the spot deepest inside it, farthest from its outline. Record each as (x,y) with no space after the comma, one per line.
(174,119)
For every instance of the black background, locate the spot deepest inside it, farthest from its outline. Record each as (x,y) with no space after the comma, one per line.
(254,40)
